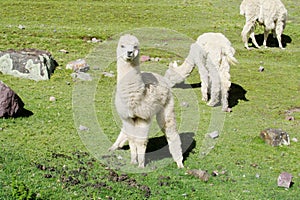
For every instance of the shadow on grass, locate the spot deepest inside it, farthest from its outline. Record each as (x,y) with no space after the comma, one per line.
(236,92)
(271,41)
(158,148)
(21,113)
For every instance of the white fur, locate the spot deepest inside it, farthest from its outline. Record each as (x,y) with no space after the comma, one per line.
(213,54)
(140,96)
(272,14)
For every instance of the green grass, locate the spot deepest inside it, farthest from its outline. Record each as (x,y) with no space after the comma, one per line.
(44,156)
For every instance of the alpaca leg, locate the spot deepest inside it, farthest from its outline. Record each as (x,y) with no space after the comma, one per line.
(278,32)
(137,151)
(133,151)
(225,88)
(225,84)
(119,143)
(266,33)
(204,83)
(137,133)
(167,121)
(141,151)
(252,36)
(215,87)
(248,29)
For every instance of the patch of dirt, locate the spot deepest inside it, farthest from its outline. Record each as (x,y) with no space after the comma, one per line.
(131,182)
(83,171)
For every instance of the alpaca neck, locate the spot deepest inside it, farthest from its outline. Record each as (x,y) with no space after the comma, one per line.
(185,68)
(127,69)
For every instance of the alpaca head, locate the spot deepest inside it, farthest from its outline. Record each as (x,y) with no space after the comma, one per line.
(128,48)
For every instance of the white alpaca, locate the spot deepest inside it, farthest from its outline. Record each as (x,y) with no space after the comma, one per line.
(213,54)
(269,13)
(140,96)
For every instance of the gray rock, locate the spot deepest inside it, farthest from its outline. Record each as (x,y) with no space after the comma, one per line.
(27,63)
(284,180)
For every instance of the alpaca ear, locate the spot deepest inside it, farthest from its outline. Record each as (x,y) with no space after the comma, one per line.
(171,65)
(175,64)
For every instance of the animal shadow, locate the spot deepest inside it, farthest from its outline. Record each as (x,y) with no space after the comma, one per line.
(271,41)
(236,93)
(183,85)
(158,148)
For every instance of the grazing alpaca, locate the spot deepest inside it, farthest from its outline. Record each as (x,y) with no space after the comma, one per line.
(269,13)
(140,96)
(213,54)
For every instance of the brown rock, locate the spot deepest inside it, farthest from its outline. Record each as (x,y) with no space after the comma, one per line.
(10,103)
(201,174)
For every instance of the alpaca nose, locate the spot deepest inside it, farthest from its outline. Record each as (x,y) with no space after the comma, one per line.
(129,53)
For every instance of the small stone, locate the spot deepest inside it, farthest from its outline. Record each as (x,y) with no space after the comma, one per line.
(184,104)
(261,69)
(108,74)
(290,118)
(215,173)
(95,40)
(52,98)
(83,128)
(214,134)
(157,59)
(63,51)
(21,27)
(120,157)
(257,175)
(294,139)
(284,180)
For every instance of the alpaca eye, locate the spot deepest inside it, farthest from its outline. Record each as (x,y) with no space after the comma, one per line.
(122,46)
(135,47)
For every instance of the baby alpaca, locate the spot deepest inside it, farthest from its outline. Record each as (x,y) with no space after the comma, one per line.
(213,54)
(269,13)
(140,96)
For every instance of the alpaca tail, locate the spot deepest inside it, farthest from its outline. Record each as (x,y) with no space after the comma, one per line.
(229,55)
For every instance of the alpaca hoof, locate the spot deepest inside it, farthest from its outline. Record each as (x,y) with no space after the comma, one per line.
(112,148)
(212,103)
(134,162)
(227,109)
(205,99)
(180,165)
(141,166)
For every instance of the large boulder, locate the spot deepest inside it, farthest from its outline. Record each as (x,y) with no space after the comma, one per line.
(11,105)
(27,63)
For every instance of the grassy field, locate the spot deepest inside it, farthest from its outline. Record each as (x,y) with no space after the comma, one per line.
(47,156)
